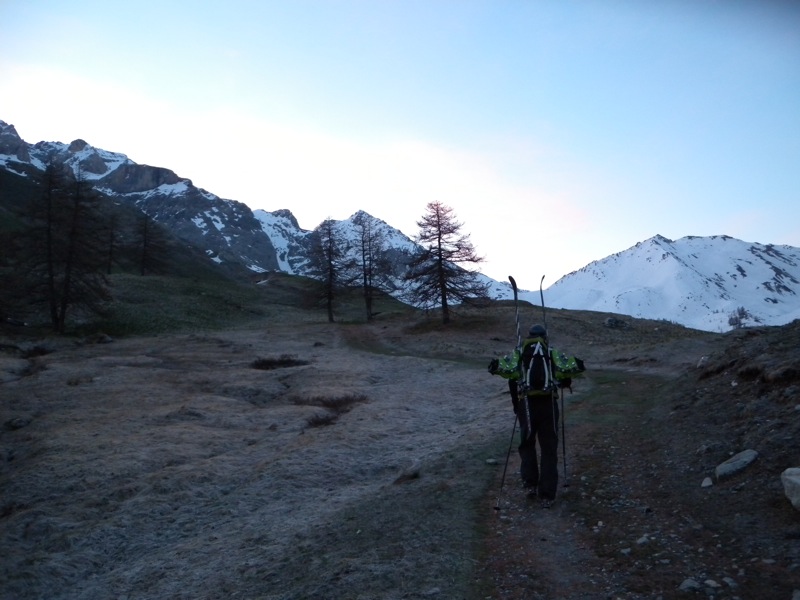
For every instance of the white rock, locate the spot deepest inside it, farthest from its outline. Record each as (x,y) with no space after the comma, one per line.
(791,485)
(707,482)
(735,463)
(689,584)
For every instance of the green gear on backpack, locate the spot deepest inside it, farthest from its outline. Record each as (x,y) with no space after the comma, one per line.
(506,367)
(566,367)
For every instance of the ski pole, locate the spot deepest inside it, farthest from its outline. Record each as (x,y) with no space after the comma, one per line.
(508,455)
(563,438)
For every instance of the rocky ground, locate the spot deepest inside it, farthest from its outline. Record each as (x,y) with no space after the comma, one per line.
(304,460)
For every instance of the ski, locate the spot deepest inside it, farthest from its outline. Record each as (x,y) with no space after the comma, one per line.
(514,428)
(516,308)
(560,394)
(541,295)
(521,385)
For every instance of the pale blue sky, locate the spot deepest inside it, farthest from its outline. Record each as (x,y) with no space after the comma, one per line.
(584,126)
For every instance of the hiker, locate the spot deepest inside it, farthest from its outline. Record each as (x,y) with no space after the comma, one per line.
(535,373)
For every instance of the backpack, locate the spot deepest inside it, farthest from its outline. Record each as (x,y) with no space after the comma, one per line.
(537,367)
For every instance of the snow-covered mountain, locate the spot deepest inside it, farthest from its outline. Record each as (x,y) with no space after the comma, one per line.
(229,232)
(709,283)
(226,230)
(701,282)
(291,243)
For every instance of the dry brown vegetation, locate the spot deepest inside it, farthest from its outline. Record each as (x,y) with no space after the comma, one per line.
(293,459)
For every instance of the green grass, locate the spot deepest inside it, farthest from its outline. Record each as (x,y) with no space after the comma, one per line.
(164,304)
(155,304)
(611,397)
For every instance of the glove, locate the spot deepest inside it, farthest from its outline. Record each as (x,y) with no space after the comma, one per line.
(493,365)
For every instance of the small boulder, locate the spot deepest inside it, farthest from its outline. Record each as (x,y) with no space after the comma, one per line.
(735,464)
(17,423)
(614,323)
(689,585)
(409,474)
(791,485)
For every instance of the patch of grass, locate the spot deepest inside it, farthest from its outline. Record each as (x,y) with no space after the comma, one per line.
(35,351)
(156,304)
(320,420)
(335,405)
(281,362)
(32,368)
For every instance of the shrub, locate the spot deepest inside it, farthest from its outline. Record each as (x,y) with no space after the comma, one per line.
(336,406)
(283,361)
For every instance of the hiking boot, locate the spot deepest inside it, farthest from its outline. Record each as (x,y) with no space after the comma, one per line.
(532,493)
(547,502)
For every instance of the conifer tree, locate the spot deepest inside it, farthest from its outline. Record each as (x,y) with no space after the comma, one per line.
(152,246)
(371,261)
(65,255)
(435,273)
(330,262)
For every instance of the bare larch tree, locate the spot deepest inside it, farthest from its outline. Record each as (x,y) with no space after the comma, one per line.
(371,262)
(66,256)
(435,274)
(331,263)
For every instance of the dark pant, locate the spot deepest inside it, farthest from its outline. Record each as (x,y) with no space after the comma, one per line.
(538,417)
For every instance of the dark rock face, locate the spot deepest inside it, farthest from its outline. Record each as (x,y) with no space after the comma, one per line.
(11,144)
(226,230)
(132,178)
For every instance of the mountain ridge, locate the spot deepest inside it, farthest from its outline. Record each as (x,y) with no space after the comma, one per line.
(712,283)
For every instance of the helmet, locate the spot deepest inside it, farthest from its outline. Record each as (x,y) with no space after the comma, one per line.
(537,331)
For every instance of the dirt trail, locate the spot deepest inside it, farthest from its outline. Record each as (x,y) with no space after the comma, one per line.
(543,553)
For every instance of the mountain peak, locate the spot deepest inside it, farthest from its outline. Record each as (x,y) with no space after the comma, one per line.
(77,146)
(11,144)
(656,240)
(287,214)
